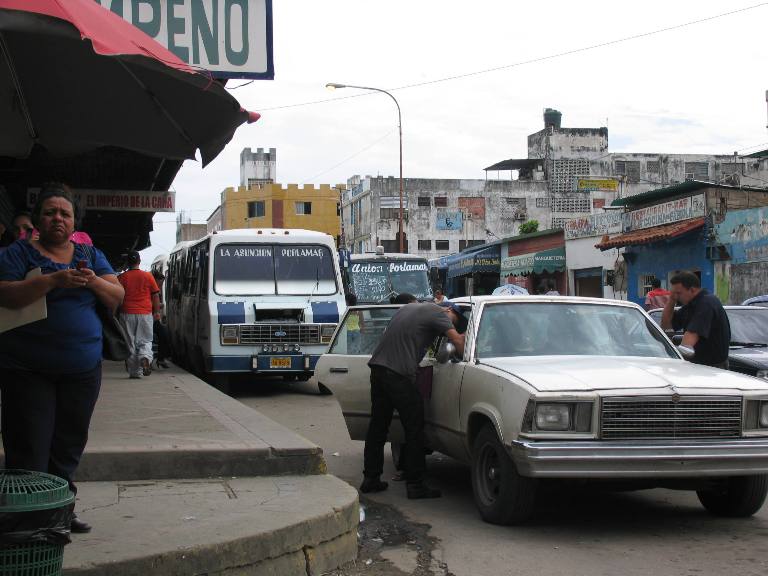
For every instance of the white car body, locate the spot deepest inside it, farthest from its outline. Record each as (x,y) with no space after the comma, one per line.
(609,391)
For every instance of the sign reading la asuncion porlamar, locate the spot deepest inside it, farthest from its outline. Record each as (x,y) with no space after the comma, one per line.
(230,38)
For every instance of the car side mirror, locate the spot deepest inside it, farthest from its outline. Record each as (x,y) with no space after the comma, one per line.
(446,352)
(686,351)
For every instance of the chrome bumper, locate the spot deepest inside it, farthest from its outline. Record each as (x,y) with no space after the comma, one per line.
(640,459)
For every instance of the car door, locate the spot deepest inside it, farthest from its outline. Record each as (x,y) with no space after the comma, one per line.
(344,368)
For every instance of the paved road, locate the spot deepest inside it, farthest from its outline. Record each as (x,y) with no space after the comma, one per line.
(576,532)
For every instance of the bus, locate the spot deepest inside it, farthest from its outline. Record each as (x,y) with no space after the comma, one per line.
(159,270)
(256,301)
(375,277)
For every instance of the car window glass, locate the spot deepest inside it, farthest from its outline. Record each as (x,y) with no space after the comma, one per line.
(361,330)
(749,326)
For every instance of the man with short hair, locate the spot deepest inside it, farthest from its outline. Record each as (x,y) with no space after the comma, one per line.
(702,317)
(394,364)
(657,297)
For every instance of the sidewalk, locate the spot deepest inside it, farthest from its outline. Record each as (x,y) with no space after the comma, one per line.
(180,479)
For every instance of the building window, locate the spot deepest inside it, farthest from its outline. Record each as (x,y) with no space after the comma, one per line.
(564,172)
(303,207)
(653,166)
(469,243)
(559,222)
(644,284)
(696,171)
(425,244)
(441,201)
(424,202)
(390,213)
(392,246)
(256,209)
(513,208)
(442,245)
(630,169)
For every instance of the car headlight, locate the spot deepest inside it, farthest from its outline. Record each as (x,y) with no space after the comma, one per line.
(326,333)
(762,374)
(230,334)
(756,416)
(558,417)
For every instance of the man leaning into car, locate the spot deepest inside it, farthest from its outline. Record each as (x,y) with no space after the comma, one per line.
(702,317)
(394,364)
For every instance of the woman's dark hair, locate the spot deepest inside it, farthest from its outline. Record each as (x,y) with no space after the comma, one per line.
(55,190)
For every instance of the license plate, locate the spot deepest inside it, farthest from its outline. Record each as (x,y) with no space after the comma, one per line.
(279,362)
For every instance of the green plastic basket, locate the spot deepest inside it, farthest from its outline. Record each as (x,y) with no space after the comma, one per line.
(25,491)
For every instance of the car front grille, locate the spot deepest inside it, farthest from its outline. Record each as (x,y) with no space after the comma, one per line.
(665,417)
(280,334)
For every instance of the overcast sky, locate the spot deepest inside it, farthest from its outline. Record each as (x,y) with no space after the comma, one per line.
(696,89)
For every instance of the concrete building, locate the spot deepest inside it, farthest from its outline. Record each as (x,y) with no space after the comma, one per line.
(258,167)
(276,206)
(186,230)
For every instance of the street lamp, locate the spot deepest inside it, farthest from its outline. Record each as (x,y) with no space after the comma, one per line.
(335,86)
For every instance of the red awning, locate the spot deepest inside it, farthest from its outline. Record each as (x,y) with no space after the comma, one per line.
(648,235)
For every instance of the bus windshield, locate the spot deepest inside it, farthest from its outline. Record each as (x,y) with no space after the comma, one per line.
(281,269)
(374,281)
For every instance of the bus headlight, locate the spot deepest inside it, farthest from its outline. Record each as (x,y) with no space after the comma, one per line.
(230,334)
(326,333)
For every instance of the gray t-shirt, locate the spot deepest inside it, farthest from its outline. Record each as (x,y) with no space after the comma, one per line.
(408,336)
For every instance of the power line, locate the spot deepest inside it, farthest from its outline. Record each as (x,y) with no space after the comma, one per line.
(371,145)
(532,60)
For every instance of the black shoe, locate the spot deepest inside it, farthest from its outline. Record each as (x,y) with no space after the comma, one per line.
(372,485)
(77,526)
(421,491)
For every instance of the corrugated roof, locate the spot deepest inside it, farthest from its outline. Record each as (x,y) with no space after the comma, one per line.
(648,235)
(676,189)
(515,164)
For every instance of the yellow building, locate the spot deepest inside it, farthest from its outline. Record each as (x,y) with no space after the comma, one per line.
(276,206)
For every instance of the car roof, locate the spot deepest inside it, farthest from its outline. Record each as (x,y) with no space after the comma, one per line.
(542,298)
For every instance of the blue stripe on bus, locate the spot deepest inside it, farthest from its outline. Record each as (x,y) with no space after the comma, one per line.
(325,312)
(231,312)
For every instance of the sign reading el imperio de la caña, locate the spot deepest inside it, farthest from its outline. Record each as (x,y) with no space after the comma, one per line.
(118,200)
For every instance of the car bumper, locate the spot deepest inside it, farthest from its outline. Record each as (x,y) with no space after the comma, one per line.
(640,459)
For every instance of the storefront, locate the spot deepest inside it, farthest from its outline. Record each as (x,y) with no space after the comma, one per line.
(591,272)
(535,261)
(474,273)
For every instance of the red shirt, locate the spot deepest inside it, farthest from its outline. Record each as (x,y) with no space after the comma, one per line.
(139,287)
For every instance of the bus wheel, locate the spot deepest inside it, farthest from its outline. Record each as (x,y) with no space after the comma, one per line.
(304,377)
(289,377)
(222,383)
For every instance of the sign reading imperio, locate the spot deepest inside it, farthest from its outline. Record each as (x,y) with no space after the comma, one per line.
(666,213)
(231,38)
(118,200)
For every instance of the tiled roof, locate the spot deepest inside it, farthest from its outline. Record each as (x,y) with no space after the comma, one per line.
(648,235)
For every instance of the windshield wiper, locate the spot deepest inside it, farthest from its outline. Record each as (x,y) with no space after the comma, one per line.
(750,344)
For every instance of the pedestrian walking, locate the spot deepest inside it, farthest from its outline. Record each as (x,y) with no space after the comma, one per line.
(51,368)
(657,297)
(140,306)
(394,364)
(702,318)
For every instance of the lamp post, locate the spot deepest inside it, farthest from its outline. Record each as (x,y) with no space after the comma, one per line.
(335,86)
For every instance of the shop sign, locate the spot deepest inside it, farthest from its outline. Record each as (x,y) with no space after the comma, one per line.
(596,185)
(230,38)
(666,213)
(449,221)
(118,200)
(593,225)
(552,260)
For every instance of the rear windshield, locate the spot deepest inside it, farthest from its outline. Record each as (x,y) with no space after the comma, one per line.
(282,269)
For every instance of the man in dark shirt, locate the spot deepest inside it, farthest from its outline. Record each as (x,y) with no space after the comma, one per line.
(393,387)
(702,317)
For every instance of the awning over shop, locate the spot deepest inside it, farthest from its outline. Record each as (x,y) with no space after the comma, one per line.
(552,260)
(485,260)
(648,235)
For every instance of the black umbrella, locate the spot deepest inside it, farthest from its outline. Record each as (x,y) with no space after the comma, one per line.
(75,77)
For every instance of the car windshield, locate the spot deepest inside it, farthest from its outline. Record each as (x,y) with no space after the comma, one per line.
(374,281)
(749,326)
(285,269)
(568,329)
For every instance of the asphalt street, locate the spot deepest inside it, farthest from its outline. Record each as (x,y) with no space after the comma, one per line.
(575,531)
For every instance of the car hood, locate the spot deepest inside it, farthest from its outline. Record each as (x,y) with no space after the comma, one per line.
(585,373)
(757,357)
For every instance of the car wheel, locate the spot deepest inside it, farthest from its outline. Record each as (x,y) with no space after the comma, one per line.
(323,389)
(501,495)
(736,497)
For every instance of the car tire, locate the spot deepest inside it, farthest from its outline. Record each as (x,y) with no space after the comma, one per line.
(735,497)
(323,389)
(501,495)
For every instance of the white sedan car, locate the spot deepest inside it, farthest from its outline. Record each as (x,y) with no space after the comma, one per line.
(570,388)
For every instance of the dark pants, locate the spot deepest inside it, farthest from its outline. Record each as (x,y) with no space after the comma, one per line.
(389,392)
(45,420)
(162,339)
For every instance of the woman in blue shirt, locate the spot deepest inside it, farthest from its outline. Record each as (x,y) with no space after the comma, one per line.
(52,368)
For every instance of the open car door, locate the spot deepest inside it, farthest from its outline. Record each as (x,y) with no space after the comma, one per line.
(344,368)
